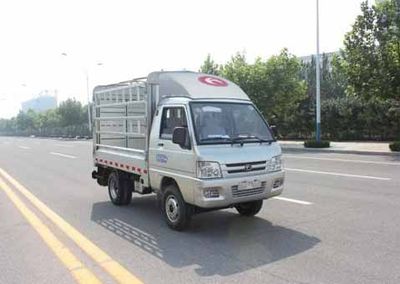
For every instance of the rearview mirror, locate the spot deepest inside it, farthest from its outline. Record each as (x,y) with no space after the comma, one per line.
(180,137)
(274,130)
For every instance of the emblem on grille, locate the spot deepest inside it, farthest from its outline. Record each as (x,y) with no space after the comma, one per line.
(248,167)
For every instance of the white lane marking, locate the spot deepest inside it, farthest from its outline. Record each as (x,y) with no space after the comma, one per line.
(336,174)
(292,200)
(62,145)
(24,147)
(63,155)
(343,160)
(82,142)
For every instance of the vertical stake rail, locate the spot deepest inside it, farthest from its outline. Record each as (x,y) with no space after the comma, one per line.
(128,121)
(88,103)
(138,126)
(126,127)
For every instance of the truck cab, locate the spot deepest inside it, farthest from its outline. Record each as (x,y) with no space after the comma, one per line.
(207,147)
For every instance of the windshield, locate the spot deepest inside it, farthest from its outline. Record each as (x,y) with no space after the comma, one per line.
(219,123)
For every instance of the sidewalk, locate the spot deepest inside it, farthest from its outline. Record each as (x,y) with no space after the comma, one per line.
(369,148)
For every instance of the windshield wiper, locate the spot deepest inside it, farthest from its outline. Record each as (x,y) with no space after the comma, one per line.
(253,137)
(215,139)
(239,139)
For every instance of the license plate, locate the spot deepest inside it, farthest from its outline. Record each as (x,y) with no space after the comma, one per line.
(249,184)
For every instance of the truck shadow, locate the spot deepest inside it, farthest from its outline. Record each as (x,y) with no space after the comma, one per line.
(219,243)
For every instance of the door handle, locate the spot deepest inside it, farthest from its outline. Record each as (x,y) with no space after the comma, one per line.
(160,144)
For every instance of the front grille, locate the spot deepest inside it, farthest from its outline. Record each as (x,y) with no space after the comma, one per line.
(247,163)
(245,167)
(247,192)
(245,170)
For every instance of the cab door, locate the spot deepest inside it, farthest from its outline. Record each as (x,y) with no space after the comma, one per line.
(166,158)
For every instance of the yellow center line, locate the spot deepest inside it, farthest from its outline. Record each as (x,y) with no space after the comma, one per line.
(71,262)
(116,270)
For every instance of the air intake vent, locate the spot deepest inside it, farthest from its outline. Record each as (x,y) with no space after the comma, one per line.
(247,192)
(247,163)
(246,167)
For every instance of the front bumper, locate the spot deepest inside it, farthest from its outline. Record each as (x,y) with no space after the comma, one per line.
(272,186)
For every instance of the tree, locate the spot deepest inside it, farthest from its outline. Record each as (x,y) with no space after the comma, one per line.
(338,79)
(24,121)
(273,85)
(7,126)
(209,66)
(238,71)
(372,52)
(388,37)
(68,119)
(50,121)
(70,112)
(333,79)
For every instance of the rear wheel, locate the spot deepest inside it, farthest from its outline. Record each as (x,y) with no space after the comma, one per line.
(119,189)
(249,208)
(176,211)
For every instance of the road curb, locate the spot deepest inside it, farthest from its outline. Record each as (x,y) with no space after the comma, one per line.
(359,152)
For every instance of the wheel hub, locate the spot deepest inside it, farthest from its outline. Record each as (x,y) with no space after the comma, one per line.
(172,208)
(113,189)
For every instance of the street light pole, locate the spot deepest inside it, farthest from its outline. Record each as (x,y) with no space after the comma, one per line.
(318,84)
(87,92)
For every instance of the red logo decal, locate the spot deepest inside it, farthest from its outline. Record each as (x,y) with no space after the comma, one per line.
(213,81)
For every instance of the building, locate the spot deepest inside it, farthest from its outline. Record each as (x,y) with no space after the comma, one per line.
(44,101)
(327,56)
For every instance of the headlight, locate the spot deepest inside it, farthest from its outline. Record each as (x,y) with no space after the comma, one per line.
(275,164)
(208,170)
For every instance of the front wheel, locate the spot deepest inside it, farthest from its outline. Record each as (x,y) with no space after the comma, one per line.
(249,208)
(176,211)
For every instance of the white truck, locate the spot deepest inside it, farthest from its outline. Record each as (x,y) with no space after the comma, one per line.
(195,140)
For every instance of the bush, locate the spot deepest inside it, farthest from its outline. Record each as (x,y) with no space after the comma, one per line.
(315,144)
(353,118)
(395,146)
(344,119)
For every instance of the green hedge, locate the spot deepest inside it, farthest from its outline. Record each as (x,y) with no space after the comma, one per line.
(315,144)
(67,131)
(395,146)
(347,118)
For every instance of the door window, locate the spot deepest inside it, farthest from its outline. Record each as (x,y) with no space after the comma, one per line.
(172,117)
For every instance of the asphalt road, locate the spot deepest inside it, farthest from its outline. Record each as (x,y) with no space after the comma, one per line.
(338,221)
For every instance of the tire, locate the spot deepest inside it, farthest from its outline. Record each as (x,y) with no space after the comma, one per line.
(249,209)
(176,211)
(119,189)
(127,186)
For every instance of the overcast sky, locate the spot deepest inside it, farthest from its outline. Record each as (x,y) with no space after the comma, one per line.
(132,38)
